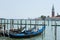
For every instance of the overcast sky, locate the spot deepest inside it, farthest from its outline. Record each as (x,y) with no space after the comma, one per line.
(27,8)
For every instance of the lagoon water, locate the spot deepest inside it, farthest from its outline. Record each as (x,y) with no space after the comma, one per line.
(48,34)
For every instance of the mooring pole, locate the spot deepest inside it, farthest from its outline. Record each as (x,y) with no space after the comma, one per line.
(17,24)
(44,26)
(21,25)
(4,27)
(35,24)
(55,30)
(25,24)
(30,26)
(51,24)
(12,23)
(7,27)
(48,22)
(43,34)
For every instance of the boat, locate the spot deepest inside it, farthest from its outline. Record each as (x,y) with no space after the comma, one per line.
(26,33)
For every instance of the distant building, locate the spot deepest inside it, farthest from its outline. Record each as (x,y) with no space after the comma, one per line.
(53,13)
(53,17)
(58,15)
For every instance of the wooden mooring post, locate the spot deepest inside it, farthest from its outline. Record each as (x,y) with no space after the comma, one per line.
(48,22)
(55,30)
(51,24)
(4,28)
(43,34)
(7,28)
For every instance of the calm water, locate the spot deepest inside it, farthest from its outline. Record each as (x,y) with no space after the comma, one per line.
(47,35)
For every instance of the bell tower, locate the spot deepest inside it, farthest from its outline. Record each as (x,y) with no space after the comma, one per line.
(53,12)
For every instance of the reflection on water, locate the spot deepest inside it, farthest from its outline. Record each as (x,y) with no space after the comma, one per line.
(47,35)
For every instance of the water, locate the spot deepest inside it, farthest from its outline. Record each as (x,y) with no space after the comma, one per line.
(47,35)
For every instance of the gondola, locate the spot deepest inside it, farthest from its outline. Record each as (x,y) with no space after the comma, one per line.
(27,33)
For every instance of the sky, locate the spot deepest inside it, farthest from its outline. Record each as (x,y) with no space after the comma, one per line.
(23,9)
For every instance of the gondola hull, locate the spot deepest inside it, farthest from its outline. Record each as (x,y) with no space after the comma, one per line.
(26,34)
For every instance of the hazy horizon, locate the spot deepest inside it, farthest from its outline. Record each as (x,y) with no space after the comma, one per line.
(20,9)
